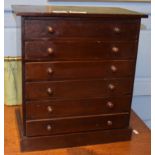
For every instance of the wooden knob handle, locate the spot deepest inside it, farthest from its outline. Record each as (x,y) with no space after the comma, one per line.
(110,105)
(111,86)
(49,70)
(49,109)
(50,29)
(115,49)
(117,29)
(113,68)
(49,91)
(49,127)
(50,50)
(109,123)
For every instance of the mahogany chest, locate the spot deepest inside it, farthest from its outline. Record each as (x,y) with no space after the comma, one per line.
(78,66)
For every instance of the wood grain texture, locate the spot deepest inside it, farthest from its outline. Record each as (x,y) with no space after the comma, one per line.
(139,145)
(72,81)
(83,49)
(61,70)
(109,30)
(62,108)
(30,10)
(38,28)
(71,139)
(76,124)
(77,89)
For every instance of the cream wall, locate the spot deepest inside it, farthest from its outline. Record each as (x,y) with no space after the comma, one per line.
(141,100)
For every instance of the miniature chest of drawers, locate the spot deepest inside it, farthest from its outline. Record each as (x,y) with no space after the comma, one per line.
(78,66)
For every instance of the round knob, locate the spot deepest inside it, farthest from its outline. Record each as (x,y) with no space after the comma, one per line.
(117,29)
(49,70)
(49,127)
(109,123)
(49,91)
(50,51)
(49,109)
(50,29)
(111,86)
(113,68)
(115,49)
(110,105)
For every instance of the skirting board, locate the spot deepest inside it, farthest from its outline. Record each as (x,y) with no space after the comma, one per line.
(70,140)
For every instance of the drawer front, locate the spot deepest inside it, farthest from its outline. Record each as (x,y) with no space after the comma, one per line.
(78,69)
(79,49)
(77,89)
(105,29)
(75,124)
(65,108)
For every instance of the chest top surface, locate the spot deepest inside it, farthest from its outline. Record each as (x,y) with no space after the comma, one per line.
(82,11)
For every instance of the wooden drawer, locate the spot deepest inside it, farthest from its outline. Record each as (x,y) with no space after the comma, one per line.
(65,108)
(75,124)
(77,89)
(78,69)
(79,49)
(107,29)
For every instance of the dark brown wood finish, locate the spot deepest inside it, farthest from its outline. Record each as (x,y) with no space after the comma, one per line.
(76,124)
(77,89)
(78,74)
(108,30)
(82,49)
(23,77)
(13,140)
(75,11)
(78,70)
(71,139)
(81,107)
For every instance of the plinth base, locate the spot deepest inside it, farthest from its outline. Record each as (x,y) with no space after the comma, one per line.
(70,140)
